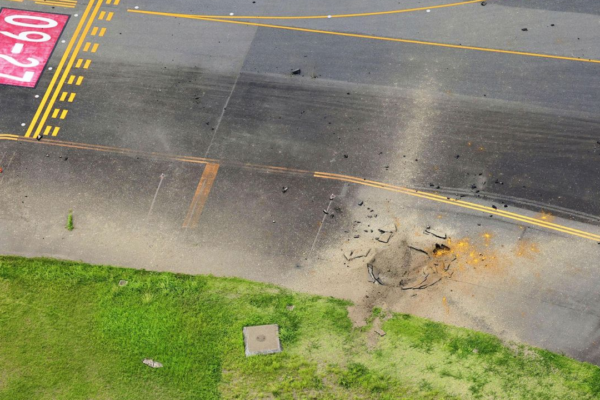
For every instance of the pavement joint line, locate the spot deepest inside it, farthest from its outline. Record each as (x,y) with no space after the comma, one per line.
(372,37)
(59,68)
(322,175)
(201,195)
(162,177)
(368,14)
(69,66)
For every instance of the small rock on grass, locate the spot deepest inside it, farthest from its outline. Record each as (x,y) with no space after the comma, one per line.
(380,332)
(151,363)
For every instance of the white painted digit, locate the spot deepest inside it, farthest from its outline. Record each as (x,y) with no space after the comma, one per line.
(28,77)
(50,23)
(26,36)
(32,61)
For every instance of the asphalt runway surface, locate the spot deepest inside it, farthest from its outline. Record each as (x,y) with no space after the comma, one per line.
(171,128)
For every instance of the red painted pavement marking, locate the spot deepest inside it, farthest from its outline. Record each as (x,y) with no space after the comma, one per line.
(27,39)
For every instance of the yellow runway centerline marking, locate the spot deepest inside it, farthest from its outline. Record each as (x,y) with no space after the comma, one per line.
(59,68)
(368,14)
(356,35)
(324,175)
(201,195)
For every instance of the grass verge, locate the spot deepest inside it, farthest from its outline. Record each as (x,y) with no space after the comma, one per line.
(69,331)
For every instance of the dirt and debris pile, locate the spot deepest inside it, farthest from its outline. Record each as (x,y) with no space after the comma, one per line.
(410,268)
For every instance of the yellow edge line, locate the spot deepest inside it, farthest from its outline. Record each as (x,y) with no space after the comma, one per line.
(69,66)
(460,203)
(51,3)
(59,69)
(324,175)
(8,136)
(339,15)
(355,35)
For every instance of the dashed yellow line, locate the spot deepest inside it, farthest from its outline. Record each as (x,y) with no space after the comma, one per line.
(63,96)
(110,16)
(71,80)
(383,38)
(72,97)
(95,47)
(72,59)
(55,113)
(94,31)
(57,74)
(117,2)
(102,32)
(102,15)
(47,131)
(87,64)
(55,132)
(87,46)
(63,115)
(79,81)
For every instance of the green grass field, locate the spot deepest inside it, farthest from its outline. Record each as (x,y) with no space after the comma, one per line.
(68,331)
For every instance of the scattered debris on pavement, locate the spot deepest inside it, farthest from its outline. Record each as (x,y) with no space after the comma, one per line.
(372,276)
(354,254)
(438,235)
(385,237)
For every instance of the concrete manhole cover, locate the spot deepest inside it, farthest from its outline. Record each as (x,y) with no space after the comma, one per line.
(262,339)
